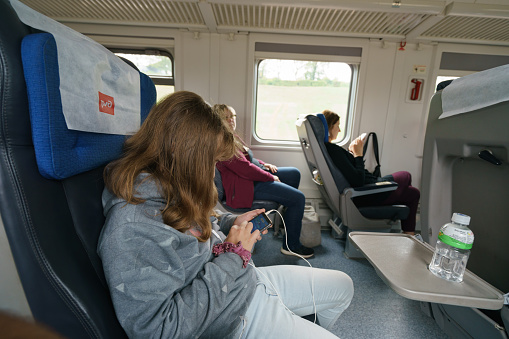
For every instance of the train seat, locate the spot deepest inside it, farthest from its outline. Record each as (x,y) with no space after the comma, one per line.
(336,190)
(51,185)
(465,169)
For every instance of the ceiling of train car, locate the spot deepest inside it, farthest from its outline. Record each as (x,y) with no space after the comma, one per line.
(475,21)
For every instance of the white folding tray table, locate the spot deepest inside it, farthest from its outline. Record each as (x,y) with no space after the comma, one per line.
(401,260)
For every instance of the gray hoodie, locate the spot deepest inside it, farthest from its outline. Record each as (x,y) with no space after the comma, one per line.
(167,284)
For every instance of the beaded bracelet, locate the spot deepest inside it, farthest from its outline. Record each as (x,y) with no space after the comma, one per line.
(224,247)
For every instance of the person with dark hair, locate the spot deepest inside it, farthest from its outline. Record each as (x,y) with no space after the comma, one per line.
(443,84)
(171,270)
(246,178)
(351,165)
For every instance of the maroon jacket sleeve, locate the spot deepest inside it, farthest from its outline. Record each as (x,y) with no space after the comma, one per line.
(245,169)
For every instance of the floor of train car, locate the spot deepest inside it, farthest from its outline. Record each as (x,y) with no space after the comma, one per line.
(376,310)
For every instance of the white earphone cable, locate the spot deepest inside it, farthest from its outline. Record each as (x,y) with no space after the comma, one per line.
(298,255)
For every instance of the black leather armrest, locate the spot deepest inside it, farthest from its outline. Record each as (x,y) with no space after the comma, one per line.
(378,187)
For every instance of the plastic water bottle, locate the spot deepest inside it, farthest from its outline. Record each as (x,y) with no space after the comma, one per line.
(455,240)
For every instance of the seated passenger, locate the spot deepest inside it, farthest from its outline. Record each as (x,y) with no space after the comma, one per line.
(171,271)
(246,178)
(351,165)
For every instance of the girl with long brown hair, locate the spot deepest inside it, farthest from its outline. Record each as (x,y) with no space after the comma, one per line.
(166,147)
(171,270)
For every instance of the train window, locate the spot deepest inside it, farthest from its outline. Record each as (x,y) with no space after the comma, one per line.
(289,88)
(158,65)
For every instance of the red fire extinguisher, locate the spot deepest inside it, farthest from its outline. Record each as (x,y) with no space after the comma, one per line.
(414,95)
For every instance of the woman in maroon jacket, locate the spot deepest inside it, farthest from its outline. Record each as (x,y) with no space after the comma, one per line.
(246,178)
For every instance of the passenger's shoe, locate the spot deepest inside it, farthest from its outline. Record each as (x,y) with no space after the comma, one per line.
(302,251)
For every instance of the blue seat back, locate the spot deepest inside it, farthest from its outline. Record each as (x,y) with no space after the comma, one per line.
(62,152)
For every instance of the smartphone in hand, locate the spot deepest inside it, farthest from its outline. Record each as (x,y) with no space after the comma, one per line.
(261,222)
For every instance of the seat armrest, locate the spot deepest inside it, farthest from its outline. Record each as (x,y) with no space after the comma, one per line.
(378,187)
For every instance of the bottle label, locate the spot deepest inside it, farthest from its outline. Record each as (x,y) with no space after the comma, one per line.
(456,237)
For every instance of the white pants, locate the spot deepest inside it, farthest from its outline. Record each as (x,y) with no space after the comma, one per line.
(267,317)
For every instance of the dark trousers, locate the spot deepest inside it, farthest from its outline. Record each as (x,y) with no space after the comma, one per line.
(286,194)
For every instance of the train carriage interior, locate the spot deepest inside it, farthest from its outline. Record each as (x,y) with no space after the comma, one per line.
(428,77)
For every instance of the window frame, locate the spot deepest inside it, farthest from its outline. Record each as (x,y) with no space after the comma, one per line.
(158,80)
(352,61)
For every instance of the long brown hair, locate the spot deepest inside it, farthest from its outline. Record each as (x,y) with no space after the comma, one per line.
(177,145)
(330,117)
(223,110)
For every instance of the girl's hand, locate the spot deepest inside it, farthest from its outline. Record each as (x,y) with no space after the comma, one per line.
(248,216)
(270,167)
(356,147)
(276,178)
(243,234)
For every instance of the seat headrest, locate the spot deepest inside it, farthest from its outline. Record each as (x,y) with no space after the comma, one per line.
(60,151)
(443,84)
(326,128)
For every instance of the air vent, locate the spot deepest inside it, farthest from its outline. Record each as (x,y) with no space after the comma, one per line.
(314,19)
(153,11)
(471,28)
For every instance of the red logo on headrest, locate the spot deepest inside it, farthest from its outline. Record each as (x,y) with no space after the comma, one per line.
(106,104)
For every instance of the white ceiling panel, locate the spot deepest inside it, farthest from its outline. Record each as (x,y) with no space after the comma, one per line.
(410,20)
